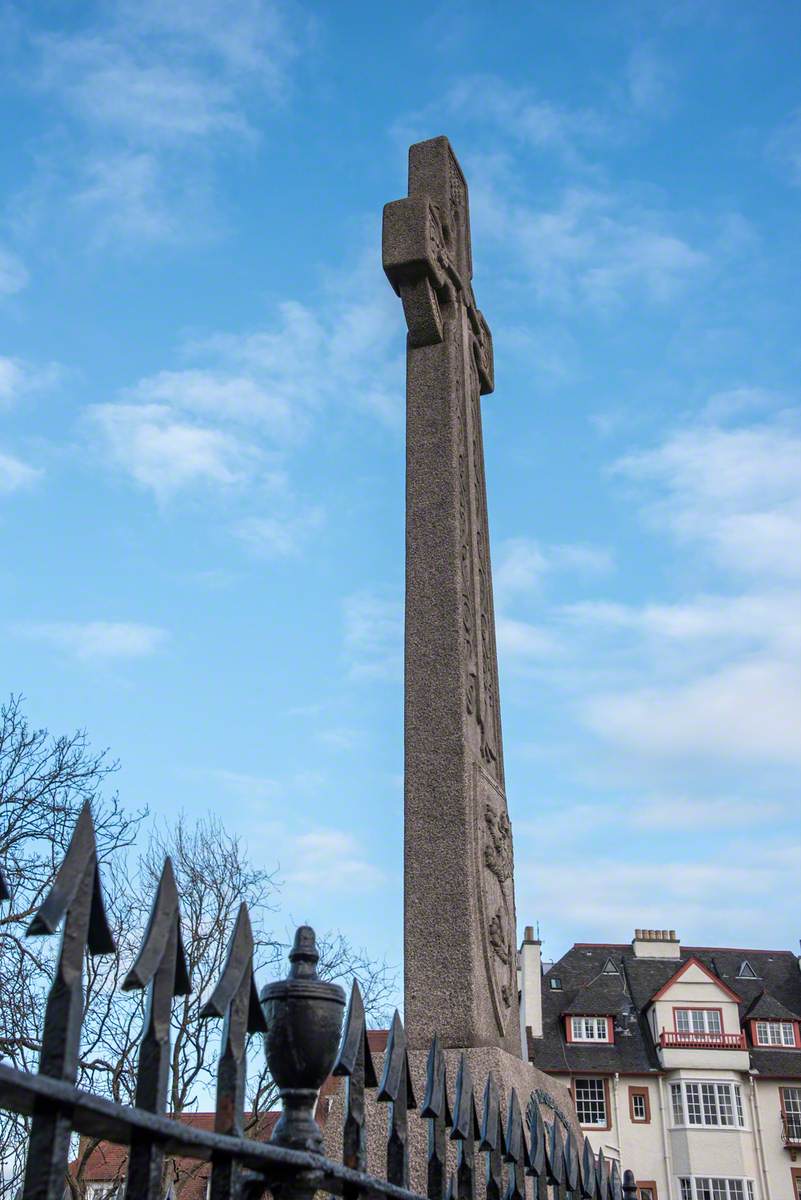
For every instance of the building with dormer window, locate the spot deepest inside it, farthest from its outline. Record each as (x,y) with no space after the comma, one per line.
(684,1061)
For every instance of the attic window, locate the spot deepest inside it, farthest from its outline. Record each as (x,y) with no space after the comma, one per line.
(554,983)
(610,968)
(746,971)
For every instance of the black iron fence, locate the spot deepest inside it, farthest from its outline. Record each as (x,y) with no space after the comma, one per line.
(301,1020)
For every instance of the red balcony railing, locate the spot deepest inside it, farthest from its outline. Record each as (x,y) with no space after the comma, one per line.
(673,1040)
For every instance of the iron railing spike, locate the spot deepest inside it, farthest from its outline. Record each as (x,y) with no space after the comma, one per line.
(615,1182)
(588,1181)
(493,1142)
(465,1131)
(555,1155)
(165,916)
(571,1155)
(80,859)
(161,968)
(536,1128)
(238,968)
(517,1153)
(355,1062)
(436,1110)
(76,899)
(601,1176)
(396,1089)
(355,1041)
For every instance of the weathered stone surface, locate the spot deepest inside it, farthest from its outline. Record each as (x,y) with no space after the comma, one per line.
(460,938)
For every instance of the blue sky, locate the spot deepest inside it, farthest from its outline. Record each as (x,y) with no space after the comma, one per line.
(201,431)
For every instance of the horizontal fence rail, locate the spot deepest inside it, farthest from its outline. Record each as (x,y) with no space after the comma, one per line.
(300,1019)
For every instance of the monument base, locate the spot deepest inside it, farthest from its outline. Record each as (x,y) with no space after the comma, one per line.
(555,1103)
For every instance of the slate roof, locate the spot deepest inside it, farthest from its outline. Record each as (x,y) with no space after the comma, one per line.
(768,1008)
(625,997)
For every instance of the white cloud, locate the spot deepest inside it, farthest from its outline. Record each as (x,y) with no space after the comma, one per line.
(331,859)
(19,378)
(784,147)
(15,474)
(129,193)
(278,536)
(373,635)
(521,640)
(523,563)
(736,491)
(97,640)
(164,453)
(651,81)
(13,274)
(593,248)
(745,711)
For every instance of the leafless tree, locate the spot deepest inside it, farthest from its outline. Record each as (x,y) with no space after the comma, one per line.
(43,783)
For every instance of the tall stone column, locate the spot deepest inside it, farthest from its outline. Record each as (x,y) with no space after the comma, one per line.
(459,907)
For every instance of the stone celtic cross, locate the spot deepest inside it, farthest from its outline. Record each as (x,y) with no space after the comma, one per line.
(459,910)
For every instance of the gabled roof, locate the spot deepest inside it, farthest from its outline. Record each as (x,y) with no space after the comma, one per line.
(768,1008)
(685,966)
(633,1051)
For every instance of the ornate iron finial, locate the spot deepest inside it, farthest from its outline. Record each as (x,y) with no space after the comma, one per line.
(629,1185)
(304,1019)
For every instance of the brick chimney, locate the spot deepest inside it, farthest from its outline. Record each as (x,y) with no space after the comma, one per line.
(529,974)
(656,943)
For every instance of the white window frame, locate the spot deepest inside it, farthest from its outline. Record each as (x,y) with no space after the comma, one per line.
(589,1029)
(694,1025)
(599,1098)
(791,1107)
(775,1033)
(716,1187)
(698,1100)
(639,1098)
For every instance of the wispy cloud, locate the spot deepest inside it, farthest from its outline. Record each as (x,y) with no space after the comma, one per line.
(16,474)
(13,273)
(373,635)
(279,536)
(651,81)
(331,859)
(522,564)
(784,148)
(19,378)
(97,640)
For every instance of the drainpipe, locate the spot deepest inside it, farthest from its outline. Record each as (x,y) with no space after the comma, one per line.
(668,1157)
(757,1121)
(615,1082)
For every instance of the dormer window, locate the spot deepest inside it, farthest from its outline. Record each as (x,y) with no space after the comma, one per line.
(610,968)
(774,1033)
(698,1020)
(746,971)
(589,1029)
(554,983)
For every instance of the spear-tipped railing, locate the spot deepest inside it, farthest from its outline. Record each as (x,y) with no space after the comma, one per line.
(301,1021)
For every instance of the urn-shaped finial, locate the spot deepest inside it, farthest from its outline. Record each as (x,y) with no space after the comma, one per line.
(304,1020)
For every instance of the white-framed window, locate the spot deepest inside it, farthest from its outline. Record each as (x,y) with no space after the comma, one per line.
(775,1033)
(590,1097)
(707,1104)
(705,1187)
(638,1109)
(698,1020)
(791,1103)
(589,1029)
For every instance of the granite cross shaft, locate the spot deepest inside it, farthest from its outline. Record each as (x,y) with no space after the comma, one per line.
(459,908)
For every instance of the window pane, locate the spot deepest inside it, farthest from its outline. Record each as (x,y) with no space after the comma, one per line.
(678,1107)
(718,1187)
(708,1100)
(739,1102)
(713,1020)
(600,1028)
(686,1189)
(787,1034)
(591,1101)
(703,1190)
(725,1112)
(638,1107)
(762,1033)
(693,1104)
(697,1020)
(683,1020)
(736,1189)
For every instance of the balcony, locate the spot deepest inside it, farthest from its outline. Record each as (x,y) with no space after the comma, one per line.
(672,1040)
(791,1133)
